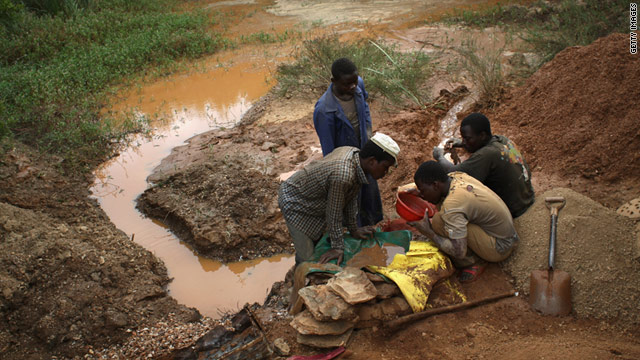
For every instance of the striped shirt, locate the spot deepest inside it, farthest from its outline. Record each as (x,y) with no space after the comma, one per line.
(324,194)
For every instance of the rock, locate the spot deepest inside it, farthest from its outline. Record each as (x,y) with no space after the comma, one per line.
(373,314)
(306,324)
(374,277)
(396,306)
(386,290)
(353,286)
(114,319)
(268,145)
(281,346)
(325,341)
(324,305)
(630,209)
(369,315)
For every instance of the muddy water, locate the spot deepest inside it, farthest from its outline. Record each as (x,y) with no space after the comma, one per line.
(190,104)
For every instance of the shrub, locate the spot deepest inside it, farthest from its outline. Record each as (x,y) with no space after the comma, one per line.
(388,73)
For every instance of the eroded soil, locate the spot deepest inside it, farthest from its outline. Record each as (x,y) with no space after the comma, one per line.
(69,280)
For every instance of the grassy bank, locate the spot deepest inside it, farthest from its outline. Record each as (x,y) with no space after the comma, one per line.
(390,74)
(61,59)
(550,27)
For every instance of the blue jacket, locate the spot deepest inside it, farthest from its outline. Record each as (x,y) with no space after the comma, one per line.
(333,127)
(335,130)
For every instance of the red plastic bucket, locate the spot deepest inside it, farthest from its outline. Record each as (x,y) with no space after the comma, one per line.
(412,208)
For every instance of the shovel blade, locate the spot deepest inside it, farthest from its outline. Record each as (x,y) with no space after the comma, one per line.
(550,292)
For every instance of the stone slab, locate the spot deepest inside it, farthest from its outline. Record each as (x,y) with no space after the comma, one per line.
(325,341)
(386,290)
(325,305)
(353,286)
(306,324)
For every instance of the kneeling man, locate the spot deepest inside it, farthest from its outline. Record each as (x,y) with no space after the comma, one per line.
(473,225)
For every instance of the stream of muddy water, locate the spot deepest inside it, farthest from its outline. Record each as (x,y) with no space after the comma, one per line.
(198,102)
(191,104)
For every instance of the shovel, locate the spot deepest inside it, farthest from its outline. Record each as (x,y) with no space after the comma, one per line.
(550,290)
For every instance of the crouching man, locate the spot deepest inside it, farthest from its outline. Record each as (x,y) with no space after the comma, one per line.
(473,225)
(324,195)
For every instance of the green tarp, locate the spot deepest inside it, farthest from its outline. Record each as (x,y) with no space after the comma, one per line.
(352,245)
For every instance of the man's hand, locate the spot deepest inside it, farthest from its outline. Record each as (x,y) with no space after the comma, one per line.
(424,226)
(330,255)
(452,143)
(438,152)
(362,233)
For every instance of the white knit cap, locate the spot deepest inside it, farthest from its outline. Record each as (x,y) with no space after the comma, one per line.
(386,143)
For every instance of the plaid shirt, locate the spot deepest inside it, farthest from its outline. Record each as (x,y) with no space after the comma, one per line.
(317,198)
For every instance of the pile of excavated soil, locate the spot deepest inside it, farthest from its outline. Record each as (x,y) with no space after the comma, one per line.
(595,246)
(577,117)
(68,278)
(224,209)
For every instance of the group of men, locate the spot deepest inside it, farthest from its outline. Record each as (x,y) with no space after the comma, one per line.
(477,198)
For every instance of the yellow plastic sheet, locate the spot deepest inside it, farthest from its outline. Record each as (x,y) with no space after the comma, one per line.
(417,271)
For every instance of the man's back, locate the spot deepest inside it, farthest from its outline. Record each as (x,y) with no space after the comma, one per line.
(501,167)
(471,202)
(327,186)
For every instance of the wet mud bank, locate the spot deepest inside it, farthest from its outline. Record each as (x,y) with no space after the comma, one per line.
(223,209)
(68,277)
(223,200)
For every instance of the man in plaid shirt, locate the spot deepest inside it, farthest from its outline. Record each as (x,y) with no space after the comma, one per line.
(324,195)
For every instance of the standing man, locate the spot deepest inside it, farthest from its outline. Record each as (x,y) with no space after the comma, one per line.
(473,226)
(495,161)
(323,196)
(341,118)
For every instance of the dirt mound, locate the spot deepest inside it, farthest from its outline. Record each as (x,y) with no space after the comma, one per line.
(224,209)
(68,278)
(577,116)
(594,245)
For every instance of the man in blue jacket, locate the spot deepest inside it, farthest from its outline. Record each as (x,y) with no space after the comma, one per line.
(341,118)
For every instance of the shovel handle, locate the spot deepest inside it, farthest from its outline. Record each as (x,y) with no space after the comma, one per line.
(552,240)
(555,203)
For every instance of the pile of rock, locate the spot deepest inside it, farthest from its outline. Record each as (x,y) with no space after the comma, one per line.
(351,299)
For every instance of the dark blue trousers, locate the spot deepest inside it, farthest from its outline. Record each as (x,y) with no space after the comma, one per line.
(370,209)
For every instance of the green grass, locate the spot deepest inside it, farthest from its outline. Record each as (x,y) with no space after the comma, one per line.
(550,27)
(269,37)
(387,72)
(573,24)
(508,12)
(484,66)
(59,67)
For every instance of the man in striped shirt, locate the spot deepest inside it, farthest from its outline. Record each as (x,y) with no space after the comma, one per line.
(323,196)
